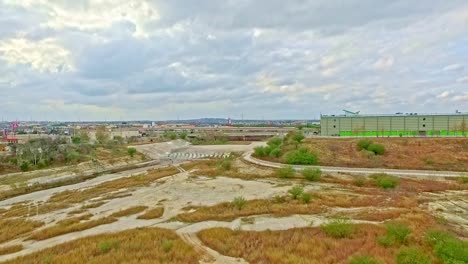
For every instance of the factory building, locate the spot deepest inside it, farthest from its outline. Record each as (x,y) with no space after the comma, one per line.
(397,125)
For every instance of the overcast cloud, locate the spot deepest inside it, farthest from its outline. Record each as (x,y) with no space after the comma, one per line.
(272,59)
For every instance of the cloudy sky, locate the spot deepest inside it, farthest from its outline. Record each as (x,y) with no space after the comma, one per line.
(272,59)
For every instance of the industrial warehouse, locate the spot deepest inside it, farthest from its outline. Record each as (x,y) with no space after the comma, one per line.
(396,125)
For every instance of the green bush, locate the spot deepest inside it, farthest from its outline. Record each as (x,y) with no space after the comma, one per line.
(296,191)
(259,152)
(366,144)
(276,152)
(24,166)
(225,164)
(302,156)
(286,172)
(239,202)
(397,233)
(167,245)
(262,151)
(339,228)
(385,181)
(131,152)
(412,255)
(275,142)
(363,144)
(363,260)
(306,197)
(107,245)
(449,249)
(76,140)
(376,148)
(312,174)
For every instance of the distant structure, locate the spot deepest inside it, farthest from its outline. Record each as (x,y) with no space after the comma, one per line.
(352,124)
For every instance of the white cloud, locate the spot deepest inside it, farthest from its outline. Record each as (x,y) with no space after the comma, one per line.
(384,63)
(89,15)
(45,55)
(453,67)
(444,95)
(462,79)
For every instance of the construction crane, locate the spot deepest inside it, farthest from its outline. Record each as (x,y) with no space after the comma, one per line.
(347,112)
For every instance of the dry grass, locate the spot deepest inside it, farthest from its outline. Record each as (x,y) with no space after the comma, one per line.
(70,227)
(129,211)
(10,249)
(378,215)
(146,245)
(302,245)
(93,205)
(401,153)
(228,212)
(13,228)
(74,220)
(152,213)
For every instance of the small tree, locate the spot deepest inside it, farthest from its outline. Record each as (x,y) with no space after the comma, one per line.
(131,152)
(239,202)
(102,135)
(296,191)
(297,138)
(24,166)
(286,172)
(76,140)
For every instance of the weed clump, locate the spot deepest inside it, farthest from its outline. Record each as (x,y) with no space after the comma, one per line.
(306,197)
(239,202)
(107,245)
(397,233)
(286,172)
(412,255)
(366,144)
(339,228)
(312,174)
(385,181)
(447,247)
(296,192)
(363,260)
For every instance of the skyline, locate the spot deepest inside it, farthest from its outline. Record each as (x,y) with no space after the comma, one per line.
(159,60)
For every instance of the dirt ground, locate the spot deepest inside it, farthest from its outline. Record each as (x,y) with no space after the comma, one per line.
(422,203)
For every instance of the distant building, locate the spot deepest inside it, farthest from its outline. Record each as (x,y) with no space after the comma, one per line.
(397,125)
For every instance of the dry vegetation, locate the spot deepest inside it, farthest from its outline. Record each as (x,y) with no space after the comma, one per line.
(13,228)
(228,211)
(10,249)
(147,245)
(69,227)
(129,211)
(308,245)
(303,245)
(401,153)
(152,213)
